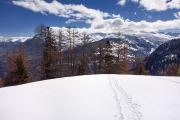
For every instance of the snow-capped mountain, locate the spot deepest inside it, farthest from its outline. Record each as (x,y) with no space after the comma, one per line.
(14,39)
(167,53)
(140,45)
(151,37)
(174,34)
(7,45)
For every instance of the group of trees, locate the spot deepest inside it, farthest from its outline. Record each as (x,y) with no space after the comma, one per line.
(62,56)
(172,69)
(18,68)
(107,61)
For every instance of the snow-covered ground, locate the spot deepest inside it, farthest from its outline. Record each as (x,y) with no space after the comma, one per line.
(95,97)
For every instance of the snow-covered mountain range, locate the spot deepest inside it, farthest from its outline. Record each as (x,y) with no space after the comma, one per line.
(140,45)
(14,39)
(136,40)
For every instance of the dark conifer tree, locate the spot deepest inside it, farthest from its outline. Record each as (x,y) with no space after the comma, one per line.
(99,56)
(122,59)
(171,70)
(83,59)
(18,68)
(60,54)
(141,69)
(108,58)
(49,66)
(178,70)
(70,52)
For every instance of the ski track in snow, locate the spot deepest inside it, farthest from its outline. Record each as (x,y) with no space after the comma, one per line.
(172,81)
(127,109)
(117,99)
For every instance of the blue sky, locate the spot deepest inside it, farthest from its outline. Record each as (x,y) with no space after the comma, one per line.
(17,18)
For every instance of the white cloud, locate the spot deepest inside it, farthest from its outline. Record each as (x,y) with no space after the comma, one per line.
(99,21)
(177,15)
(74,13)
(79,12)
(144,26)
(156,5)
(122,2)
(174,4)
(126,26)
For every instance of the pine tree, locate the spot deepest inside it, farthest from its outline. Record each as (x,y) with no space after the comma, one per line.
(122,59)
(100,58)
(70,52)
(141,70)
(178,70)
(1,83)
(18,69)
(60,54)
(49,67)
(108,58)
(83,57)
(72,61)
(41,31)
(81,67)
(178,65)
(171,70)
(75,35)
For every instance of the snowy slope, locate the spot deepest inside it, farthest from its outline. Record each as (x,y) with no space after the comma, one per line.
(165,54)
(96,97)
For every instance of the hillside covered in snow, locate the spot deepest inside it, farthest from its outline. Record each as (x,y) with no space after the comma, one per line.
(95,97)
(167,53)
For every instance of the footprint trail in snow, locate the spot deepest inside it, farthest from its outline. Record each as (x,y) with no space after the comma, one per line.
(127,109)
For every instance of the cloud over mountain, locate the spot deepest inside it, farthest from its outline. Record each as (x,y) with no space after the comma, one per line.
(156,5)
(100,21)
